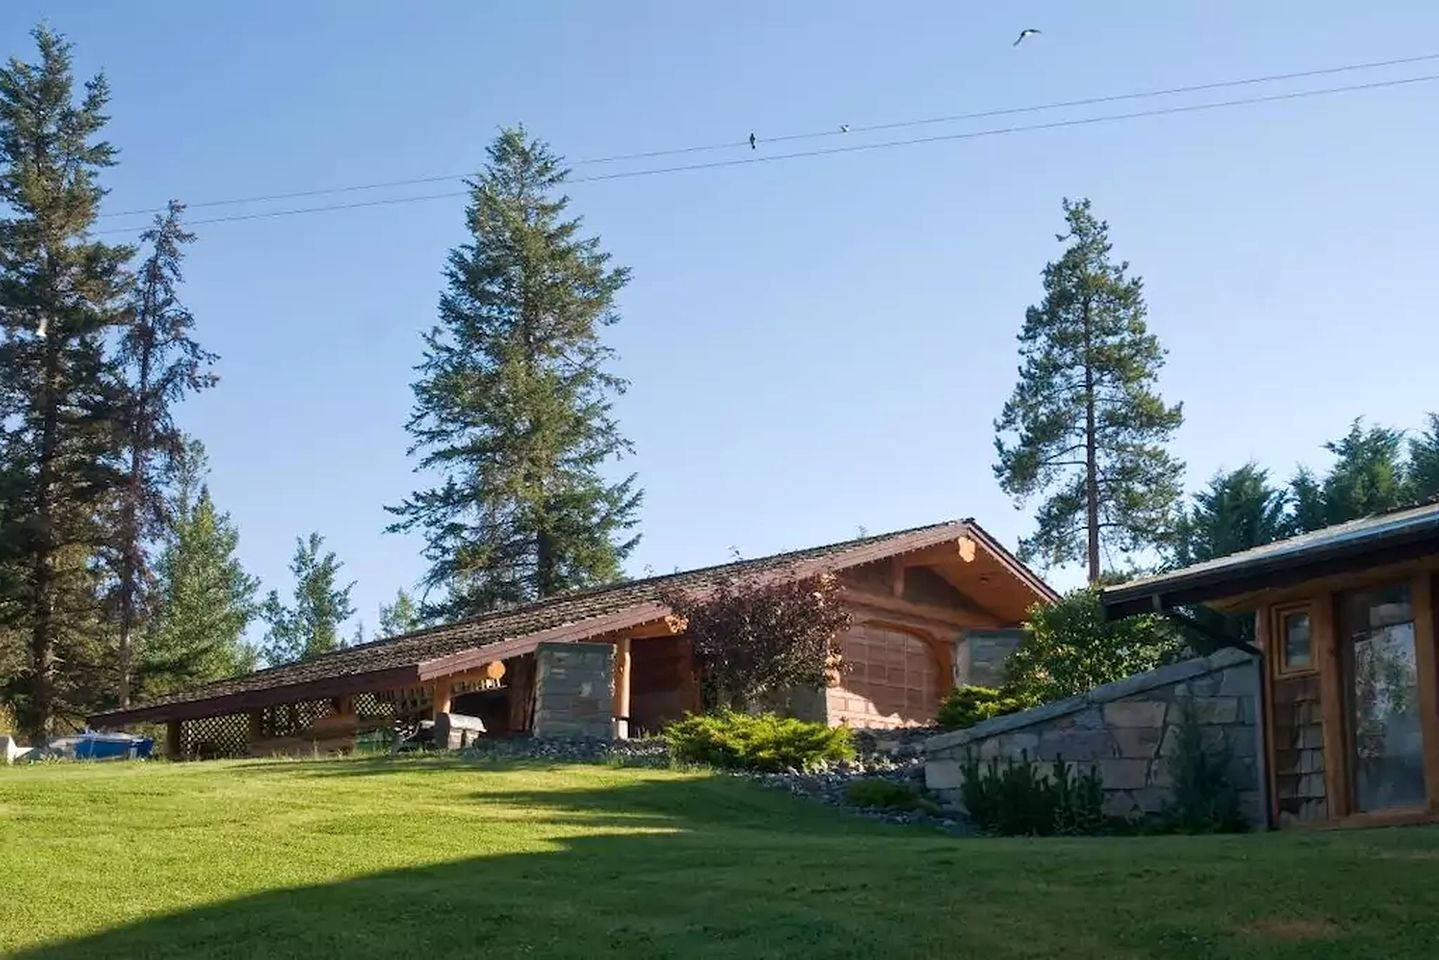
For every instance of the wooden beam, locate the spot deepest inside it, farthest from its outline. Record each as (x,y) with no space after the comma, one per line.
(520,694)
(919,611)
(1329,655)
(440,699)
(1426,662)
(622,689)
(896,575)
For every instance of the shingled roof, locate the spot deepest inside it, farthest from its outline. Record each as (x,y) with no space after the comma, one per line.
(439,651)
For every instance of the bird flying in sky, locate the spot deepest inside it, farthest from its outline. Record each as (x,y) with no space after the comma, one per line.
(752,142)
(1023,34)
(844,128)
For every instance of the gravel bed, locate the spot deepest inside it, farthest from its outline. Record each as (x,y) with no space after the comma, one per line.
(901,763)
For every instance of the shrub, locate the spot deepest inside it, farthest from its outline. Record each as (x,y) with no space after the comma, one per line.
(756,742)
(757,637)
(876,792)
(1205,801)
(1071,648)
(1016,799)
(965,706)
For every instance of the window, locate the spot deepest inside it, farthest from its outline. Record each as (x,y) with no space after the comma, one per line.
(1296,651)
(1381,692)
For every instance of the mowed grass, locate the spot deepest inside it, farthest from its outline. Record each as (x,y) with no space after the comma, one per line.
(435,858)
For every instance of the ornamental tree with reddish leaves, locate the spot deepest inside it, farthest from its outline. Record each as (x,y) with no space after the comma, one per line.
(756,638)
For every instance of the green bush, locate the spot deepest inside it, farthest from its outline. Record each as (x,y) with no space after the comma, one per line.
(876,792)
(965,706)
(1016,799)
(1205,801)
(756,742)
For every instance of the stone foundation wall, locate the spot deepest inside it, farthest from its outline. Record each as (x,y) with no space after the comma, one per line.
(574,690)
(1127,729)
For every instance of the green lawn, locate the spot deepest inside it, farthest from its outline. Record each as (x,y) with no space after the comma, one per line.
(432,858)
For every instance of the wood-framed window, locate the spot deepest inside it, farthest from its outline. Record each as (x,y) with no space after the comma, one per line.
(1294,639)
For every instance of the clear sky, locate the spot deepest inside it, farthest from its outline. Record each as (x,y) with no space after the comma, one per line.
(814,344)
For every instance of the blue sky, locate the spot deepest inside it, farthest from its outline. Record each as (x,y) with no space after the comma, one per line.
(814,345)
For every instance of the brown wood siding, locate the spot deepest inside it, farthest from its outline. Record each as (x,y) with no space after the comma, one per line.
(662,685)
(1298,737)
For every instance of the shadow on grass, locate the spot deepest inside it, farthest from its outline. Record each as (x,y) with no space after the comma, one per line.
(707,874)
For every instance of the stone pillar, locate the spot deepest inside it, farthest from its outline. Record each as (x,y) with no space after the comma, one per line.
(574,690)
(622,689)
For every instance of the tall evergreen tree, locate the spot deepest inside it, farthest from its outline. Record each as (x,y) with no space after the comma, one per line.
(61,295)
(205,597)
(161,362)
(1237,511)
(401,616)
(1367,477)
(312,626)
(513,404)
(1085,427)
(1423,471)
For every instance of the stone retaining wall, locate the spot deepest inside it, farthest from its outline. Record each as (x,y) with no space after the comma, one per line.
(574,691)
(1127,729)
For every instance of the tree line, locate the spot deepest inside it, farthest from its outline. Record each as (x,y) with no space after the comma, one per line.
(119,579)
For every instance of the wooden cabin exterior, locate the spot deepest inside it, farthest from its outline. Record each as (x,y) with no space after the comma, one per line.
(1345,619)
(917,599)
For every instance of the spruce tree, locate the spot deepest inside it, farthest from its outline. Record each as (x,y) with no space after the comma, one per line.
(1423,471)
(61,296)
(161,363)
(312,625)
(1237,511)
(400,617)
(513,404)
(1368,477)
(1085,428)
(205,599)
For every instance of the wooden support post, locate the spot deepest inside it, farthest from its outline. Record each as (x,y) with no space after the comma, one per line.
(521,693)
(896,575)
(622,688)
(257,725)
(440,699)
(1426,618)
(172,740)
(1329,655)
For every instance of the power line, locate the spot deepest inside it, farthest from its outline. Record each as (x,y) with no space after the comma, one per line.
(783,138)
(848,148)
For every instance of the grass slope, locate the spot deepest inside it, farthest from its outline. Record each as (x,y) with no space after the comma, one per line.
(432,858)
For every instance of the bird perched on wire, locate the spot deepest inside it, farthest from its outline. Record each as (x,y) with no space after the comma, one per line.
(752,142)
(1023,35)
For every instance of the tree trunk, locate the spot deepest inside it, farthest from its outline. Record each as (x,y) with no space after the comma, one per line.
(42,640)
(1091,453)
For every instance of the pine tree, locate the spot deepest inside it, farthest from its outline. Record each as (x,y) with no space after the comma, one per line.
(1423,471)
(206,600)
(513,405)
(1237,511)
(61,295)
(162,363)
(401,616)
(312,626)
(1084,427)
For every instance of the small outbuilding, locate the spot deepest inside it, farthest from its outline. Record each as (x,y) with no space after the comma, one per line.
(1345,618)
(931,607)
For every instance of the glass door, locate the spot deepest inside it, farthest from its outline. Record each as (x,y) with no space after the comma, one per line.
(1381,691)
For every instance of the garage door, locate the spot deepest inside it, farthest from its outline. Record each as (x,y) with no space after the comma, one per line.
(891,678)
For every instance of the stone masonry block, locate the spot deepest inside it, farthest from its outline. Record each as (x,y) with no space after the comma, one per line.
(1135,713)
(1216,709)
(1118,803)
(1076,745)
(1138,742)
(1122,774)
(942,775)
(1239,681)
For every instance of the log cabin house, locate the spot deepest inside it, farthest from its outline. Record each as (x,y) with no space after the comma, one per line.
(1345,623)
(931,607)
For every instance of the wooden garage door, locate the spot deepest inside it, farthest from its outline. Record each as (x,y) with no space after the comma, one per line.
(891,678)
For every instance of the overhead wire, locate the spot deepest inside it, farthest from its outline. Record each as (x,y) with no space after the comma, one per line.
(825,151)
